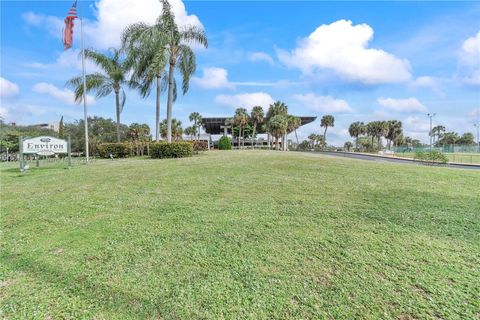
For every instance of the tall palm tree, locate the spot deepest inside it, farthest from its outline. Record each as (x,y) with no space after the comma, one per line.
(241,119)
(327,121)
(190,131)
(177,129)
(438,132)
(277,108)
(112,79)
(197,122)
(312,137)
(356,129)
(293,124)
(394,129)
(277,126)
(146,51)
(257,117)
(179,53)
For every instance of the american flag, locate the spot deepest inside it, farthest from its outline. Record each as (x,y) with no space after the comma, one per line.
(68,30)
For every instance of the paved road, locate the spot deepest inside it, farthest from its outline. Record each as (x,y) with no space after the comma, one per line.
(390,159)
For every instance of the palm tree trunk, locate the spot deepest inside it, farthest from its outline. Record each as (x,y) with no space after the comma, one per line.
(170,101)
(243,137)
(117,108)
(296,137)
(356,142)
(157,110)
(325,134)
(253,133)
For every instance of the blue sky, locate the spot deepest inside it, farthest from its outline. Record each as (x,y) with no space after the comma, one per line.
(355,60)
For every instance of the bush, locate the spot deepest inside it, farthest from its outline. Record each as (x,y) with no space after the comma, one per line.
(225,143)
(179,149)
(199,146)
(116,149)
(431,156)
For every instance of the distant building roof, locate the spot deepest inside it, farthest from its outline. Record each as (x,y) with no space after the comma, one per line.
(213,125)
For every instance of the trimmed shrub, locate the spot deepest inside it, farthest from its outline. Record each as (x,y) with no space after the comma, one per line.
(179,149)
(116,149)
(199,146)
(225,143)
(433,156)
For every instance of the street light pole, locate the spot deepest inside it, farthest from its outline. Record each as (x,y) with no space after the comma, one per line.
(431,115)
(477,125)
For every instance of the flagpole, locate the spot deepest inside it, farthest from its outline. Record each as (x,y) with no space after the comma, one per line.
(85,120)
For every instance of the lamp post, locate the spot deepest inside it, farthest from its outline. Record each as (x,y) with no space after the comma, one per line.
(431,115)
(477,125)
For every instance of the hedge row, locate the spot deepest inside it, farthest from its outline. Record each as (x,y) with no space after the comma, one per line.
(179,149)
(199,146)
(116,150)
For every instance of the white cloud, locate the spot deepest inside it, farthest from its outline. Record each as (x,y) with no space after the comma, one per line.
(8,89)
(469,57)
(470,51)
(4,113)
(402,105)
(261,56)
(111,18)
(54,25)
(63,95)
(213,78)
(323,103)
(343,48)
(429,82)
(244,100)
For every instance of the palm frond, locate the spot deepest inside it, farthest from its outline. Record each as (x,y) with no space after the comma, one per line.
(103,61)
(186,65)
(123,98)
(93,81)
(194,34)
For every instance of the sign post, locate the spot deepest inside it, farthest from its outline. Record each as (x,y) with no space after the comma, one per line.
(20,146)
(43,146)
(69,153)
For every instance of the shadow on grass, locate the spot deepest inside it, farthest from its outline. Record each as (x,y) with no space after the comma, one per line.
(105,298)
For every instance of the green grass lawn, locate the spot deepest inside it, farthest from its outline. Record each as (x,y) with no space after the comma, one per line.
(240,235)
(452,157)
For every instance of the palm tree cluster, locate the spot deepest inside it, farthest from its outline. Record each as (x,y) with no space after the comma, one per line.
(276,122)
(141,63)
(391,130)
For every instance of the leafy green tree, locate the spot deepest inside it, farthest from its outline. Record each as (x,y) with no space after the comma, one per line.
(467,139)
(179,53)
(177,129)
(257,117)
(449,138)
(326,122)
(348,145)
(113,79)
(197,122)
(100,130)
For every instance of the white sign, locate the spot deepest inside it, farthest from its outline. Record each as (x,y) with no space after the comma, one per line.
(45,145)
